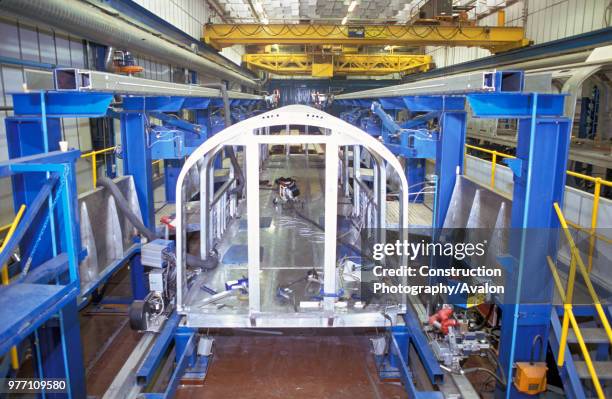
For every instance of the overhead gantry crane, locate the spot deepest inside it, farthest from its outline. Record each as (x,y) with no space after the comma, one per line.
(493,38)
(341,64)
(325,64)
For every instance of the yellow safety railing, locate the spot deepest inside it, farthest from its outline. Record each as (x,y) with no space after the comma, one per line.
(94,167)
(3,229)
(5,275)
(494,155)
(593,236)
(567,297)
(94,164)
(598,181)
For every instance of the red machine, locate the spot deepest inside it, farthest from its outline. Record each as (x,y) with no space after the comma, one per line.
(443,319)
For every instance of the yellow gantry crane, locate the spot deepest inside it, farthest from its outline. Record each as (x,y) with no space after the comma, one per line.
(341,64)
(493,38)
(324,64)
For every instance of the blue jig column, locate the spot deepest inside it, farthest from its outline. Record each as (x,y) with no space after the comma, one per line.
(58,342)
(449,159)
(539,181)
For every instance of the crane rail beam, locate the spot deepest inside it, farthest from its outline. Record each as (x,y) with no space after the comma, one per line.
(493,38)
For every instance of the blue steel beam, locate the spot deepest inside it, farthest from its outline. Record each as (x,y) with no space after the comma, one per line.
(29,217)
(30,306)
(395,364)
(543,146)
(153,103)
(148,368)
(449,160)
(171,120)
(137,161)
(63,104)
(515,105)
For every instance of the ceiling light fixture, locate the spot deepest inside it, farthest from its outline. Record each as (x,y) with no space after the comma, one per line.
(344,20)
(352,6)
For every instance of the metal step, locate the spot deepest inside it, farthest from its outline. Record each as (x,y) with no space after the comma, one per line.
(603,369)
(591,335)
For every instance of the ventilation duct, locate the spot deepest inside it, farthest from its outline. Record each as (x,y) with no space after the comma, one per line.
(85,20)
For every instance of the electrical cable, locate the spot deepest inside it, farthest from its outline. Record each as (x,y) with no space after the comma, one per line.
(485,370)
(230,149)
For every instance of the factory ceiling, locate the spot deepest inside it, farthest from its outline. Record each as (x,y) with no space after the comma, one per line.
(286,11)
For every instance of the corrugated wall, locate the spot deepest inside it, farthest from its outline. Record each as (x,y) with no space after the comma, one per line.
(190,17)
(187,15)
(545,20)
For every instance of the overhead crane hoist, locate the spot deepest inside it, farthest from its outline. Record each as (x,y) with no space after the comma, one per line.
(493,38)
(341,64)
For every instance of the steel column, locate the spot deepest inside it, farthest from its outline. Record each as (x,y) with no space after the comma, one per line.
(172,168)
(58,343)
(539,180)
(449,159)
(137,161)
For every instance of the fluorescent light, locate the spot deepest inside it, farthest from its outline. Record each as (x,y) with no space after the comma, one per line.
(344,20)
(352,6)
(258,7)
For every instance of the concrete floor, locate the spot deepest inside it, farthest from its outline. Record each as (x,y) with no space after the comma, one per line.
(293,366)
(296,364)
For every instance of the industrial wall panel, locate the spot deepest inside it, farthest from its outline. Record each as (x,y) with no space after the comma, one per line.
(46,42)
(62,49)
(29,43)
(187,15)
(9,45)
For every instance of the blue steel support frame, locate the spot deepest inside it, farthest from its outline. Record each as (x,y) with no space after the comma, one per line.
(137,161)
(449,160)
(448,145)
(186,359)
(543,146)
(539,180)
(57,345)
(172,168)
(394,365)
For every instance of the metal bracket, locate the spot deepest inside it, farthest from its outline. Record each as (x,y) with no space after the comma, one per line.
(515,165)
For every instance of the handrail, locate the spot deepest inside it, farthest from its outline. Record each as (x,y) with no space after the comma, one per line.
(584,272)
(567,296)
(94,164)
(4,228)
(494,154)
(593,236)
(5,275)
(594,213)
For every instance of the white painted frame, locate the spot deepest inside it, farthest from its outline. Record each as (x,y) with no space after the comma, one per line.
(245,133)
